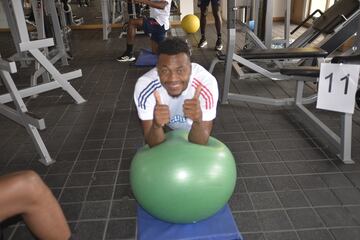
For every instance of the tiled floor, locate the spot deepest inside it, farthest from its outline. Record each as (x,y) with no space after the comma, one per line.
(289,186)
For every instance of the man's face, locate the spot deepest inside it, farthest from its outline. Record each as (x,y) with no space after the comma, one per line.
(174,72)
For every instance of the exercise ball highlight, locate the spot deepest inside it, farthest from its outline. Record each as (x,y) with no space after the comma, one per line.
(190,23)
(181,182)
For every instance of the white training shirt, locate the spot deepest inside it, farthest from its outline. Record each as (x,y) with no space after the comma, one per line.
(162,16)
(149,82)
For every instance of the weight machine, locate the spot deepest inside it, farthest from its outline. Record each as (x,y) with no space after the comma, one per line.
(20,114)
(341,143)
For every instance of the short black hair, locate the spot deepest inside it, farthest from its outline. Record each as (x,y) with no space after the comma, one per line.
(173,46)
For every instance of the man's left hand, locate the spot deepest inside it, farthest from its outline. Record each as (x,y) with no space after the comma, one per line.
(192,108)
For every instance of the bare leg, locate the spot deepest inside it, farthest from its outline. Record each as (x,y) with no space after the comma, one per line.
(217,17)
(154,46)
(26,194)
(203,15)
(131,31)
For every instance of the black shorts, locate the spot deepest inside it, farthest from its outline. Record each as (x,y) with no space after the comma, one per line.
(154,29)
(206,2)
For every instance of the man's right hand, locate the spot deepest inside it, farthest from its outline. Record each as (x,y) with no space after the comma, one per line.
(161,112)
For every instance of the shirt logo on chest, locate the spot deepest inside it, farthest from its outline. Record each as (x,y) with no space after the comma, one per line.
(178,119)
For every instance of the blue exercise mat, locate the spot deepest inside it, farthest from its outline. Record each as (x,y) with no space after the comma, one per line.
(221,226)
(146,58)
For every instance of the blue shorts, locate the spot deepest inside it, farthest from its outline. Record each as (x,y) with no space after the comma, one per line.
(152,27)
(206,2)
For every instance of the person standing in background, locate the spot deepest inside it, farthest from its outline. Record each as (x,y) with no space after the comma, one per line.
(215,5)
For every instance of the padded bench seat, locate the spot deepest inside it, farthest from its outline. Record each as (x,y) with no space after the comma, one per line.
(309,71)
(305,71)
(282,53)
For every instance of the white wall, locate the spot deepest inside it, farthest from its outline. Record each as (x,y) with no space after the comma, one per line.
(279,8)
(3,22)
(186,7)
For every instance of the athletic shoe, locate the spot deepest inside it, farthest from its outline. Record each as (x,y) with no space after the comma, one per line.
(202,43)
(219,45)
(126,58)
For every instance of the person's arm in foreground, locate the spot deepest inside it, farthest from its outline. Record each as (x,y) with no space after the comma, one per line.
(153,129)
(158,4)
(200,130)
(26,194)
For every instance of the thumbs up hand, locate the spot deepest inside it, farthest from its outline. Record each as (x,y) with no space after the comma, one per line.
(192,108)
(161,112)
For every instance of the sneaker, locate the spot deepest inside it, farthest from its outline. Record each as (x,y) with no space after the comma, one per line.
(126,58)
(202,43)
(219,45)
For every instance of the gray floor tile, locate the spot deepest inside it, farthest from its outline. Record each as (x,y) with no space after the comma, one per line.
(56,180)
(347,195)
(346,233)
(240,202)
(103,178)
(266,200)
(121,229)
(336,217)
(240,186)
(95,210)
(275,168)
(71,210)
(281,235)
(250,170)
(322,197)
(245,157)
(354,213)
(283,183)
(254,236)
(273,220)
(76,194)
(84,166)
(310,181)
(304,218)
(98,193)
(354,178)
(268,156)
(259,184)
(292,199)
(336,180)
(90,230)
(123,208)
(247,222)
(79,179)
(321,234)
(108,165)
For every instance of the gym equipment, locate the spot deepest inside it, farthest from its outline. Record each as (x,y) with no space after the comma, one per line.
(146,58)
(41,10)
(221,226)
(190,23)
(342,144)
(337,24)
(70,18)
(181,182)
(16,19)
(120,11)
(21,115)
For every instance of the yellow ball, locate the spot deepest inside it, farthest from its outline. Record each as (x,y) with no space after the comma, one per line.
(190,23)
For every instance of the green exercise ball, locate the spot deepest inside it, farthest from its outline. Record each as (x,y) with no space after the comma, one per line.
(181,182)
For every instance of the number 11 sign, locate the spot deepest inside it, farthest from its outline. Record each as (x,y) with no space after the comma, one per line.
(337,87)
